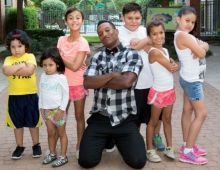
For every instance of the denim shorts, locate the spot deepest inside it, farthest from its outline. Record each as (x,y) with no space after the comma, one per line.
(194,90)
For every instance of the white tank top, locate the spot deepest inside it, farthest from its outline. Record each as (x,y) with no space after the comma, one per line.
(192,69)
(162,78)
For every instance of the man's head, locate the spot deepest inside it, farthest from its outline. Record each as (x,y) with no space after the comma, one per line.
(108,34)
(131,16)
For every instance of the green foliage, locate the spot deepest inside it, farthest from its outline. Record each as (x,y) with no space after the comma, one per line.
(53,5)
(42,39)
(30,18)
(92,39)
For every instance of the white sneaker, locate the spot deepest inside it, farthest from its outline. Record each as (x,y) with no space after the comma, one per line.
(152,156)
(77,154)
(169,152)
(111,149)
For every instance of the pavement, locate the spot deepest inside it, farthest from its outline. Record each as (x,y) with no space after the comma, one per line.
(208,138)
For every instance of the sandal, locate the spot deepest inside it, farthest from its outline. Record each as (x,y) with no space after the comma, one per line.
(60,161)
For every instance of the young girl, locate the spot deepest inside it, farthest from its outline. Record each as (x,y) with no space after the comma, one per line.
(191,53)
(74,50)
(162,93)
(53,100)
(22,90)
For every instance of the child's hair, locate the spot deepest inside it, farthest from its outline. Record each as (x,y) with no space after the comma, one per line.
(106,21)
(154,23)
(72,9)
(185,10)
(20,36)
(131,7)
(53,53)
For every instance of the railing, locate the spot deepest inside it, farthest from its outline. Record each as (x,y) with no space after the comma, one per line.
(210,18)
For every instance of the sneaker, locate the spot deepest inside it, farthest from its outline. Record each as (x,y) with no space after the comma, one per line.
(49,158)
(169,152)
(196,149)
(36,151)
(109,150)
(17,154)
(110,146)
(60,161)
(192,158)
(158,143)
(199,151)
(152,156)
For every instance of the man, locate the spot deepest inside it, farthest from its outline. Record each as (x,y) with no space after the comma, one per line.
(112,74)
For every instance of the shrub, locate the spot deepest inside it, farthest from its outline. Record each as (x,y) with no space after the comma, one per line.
(30,18)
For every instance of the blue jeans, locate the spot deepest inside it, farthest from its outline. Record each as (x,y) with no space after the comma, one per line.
(194,90)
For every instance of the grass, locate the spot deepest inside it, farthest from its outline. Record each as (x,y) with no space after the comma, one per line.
(92,39)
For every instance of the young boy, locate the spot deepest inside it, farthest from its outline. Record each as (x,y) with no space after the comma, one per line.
(130,35)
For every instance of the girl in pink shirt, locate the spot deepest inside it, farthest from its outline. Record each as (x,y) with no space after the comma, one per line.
(74,50)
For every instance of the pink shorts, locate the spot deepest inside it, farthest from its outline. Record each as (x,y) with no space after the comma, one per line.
(77,92)
(161,99)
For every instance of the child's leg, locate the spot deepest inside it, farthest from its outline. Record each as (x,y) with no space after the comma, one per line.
(186,117)
(80,120)
(167,115)
(19,133)
(52,136)
(34,135)
(200,115)
(63,139)
(157,128)
(155,112)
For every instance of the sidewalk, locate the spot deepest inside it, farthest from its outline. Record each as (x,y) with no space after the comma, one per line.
(209,136)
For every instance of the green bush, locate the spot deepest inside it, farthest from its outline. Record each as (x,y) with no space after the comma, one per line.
(30,18)
(50,6)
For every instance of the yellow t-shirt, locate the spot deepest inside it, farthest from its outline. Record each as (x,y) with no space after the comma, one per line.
(21,85)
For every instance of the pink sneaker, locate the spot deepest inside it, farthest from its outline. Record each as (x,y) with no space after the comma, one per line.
(199,151)
(196,149)
(192,158)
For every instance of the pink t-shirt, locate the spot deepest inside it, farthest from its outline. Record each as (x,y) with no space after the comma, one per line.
(69,50)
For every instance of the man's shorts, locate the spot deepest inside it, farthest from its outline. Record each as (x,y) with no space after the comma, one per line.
(161,99)
(77,92)
(23,111)
(194,90)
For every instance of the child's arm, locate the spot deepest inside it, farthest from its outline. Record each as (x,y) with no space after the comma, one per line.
(28,70)
(157,56)
(140,44)
(185,40)
(10,70)
(77,63)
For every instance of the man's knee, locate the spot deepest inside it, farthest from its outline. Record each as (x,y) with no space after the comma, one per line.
(88,162)
(137,163)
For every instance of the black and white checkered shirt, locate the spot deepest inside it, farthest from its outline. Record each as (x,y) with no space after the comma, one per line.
(116,104)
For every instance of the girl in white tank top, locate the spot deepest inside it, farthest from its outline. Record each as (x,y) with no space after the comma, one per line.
(162,93)
(191,53)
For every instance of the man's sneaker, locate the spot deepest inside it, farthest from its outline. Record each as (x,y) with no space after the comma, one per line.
(199,151)
(60,161)
(36,151)
(169,152)
(152,156)
(192,158)
(49,158)
(196,149)
(17,154)
(110,146)
(158,143)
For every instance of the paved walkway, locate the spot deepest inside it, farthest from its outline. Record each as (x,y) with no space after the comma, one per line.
(209,137)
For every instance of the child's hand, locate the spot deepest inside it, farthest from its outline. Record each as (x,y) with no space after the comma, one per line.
(134,42)
(42,112)
(174,67)
(59,115)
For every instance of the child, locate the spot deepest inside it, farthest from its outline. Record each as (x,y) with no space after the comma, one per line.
(22,90)
(130,35)
(53,100)
(74,50)
(191,53)
(162,93)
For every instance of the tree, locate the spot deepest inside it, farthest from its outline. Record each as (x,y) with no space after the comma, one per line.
(20,17)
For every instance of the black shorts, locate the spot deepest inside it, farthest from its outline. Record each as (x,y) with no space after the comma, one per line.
(23,111)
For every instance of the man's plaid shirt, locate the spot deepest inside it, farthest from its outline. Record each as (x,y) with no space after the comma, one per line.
(116,104)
